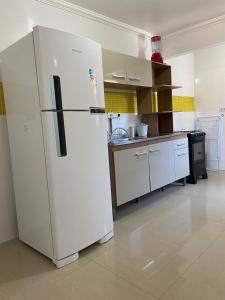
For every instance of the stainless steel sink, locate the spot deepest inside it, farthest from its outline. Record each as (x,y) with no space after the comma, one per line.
(127,140)
(120,141)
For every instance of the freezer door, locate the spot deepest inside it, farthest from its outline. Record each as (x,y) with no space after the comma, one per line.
(76,61)
(78,180)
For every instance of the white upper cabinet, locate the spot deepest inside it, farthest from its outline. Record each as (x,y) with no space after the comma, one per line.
(124,69)
(114,67)
(139,71)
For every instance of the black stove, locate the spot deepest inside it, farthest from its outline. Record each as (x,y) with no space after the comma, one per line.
(196,133)
(197,157)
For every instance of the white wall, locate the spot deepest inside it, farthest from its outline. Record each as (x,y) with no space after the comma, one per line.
(182,68)
(196,37)
(8,223)
(17,19)
(8,226)
(209,70)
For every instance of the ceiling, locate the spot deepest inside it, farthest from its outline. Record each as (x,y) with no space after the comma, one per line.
(157,16)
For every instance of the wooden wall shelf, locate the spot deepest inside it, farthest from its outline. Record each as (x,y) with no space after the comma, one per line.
(161,112)
(164,87)
(160,122)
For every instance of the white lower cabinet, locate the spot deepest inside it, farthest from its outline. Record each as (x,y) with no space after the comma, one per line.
(143,169)
(181,158)
(161,162)
(132,174)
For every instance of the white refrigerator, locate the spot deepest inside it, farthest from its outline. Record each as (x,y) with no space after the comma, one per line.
(54,94)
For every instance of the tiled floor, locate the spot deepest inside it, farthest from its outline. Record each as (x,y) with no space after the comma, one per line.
(170,246)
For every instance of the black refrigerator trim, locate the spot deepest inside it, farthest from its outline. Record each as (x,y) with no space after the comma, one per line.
(65,110)
(58,116)
(62,135)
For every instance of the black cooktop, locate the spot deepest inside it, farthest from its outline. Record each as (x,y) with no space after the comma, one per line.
(196,133)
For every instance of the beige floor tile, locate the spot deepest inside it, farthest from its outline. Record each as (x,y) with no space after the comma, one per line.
(177,227)
(21,266)
(205,279)
(147,262)
(131,265)
(186,289)
(161,279)
(179,261)
(155,206)
(22,269)
(95,282)
(169,245)
(43,290)
(211,265)
(2,297)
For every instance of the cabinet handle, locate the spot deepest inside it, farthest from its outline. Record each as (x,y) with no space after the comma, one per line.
(181,144)
(141,154)
(154,150)
(134,78)
(117,76)
(182,154)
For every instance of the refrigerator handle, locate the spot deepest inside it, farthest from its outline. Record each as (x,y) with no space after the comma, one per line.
(58,116)
(60,134)
(97,110)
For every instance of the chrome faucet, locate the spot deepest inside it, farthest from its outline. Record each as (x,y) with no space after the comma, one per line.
(111,116)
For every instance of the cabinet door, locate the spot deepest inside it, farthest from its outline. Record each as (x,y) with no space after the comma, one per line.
(181,163)
(132,174)
(180,143)
(161,161)
(139,71)
(114,67)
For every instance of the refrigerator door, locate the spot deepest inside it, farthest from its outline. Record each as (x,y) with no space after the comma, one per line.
(78,179)
(76,61)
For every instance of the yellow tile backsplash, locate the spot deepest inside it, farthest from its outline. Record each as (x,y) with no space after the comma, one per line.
(2,102)
(125,102)
(183,103)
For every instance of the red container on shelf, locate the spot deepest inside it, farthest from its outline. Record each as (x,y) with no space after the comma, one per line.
(156,49)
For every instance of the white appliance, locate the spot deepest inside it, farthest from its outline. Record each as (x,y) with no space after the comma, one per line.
(211,125)
(58,141)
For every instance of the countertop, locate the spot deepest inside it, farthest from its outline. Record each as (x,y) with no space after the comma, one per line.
(146,141)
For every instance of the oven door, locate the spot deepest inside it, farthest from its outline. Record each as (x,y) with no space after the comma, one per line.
(198,151)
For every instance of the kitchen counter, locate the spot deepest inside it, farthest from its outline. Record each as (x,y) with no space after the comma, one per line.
(129,144)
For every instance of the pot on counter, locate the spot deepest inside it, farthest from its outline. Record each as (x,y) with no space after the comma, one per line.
(142,130)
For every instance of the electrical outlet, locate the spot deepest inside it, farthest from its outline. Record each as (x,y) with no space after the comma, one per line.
(112,115)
